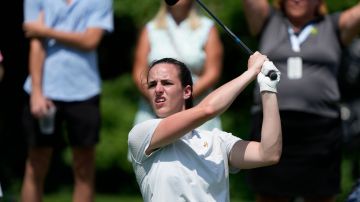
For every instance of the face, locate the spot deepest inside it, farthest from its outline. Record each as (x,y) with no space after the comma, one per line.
(301,10)
(165,90)
(182,5)
(185,3)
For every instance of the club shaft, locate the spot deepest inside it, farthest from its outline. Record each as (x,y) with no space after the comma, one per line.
(271,74)
(236,39)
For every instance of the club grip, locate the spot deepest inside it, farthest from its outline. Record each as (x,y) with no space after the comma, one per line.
(272,75)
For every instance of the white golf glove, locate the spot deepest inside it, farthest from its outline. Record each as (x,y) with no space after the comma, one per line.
(264,81)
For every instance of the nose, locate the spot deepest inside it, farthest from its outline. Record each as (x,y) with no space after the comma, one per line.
(159,88)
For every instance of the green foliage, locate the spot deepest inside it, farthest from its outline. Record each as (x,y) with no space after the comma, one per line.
(118,106)
(336,5)
(66,197)
(141,12)
(144,11)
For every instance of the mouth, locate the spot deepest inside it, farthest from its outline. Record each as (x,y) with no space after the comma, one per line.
(160,100)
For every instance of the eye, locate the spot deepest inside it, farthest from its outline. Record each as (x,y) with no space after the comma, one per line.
(166,82)
(151,85)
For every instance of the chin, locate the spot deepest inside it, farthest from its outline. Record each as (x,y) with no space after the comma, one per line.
(161,114)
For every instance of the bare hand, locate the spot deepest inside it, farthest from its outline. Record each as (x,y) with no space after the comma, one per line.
(256,61)
(36,28)
(39,105)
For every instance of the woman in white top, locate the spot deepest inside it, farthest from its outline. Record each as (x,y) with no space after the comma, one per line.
(179,32)
(173,160)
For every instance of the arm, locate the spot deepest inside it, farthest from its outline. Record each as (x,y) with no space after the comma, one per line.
(87,40)
(213,64)
(349,24)
(140,62)
(38,103)
(256,12)
(212,105)
(251,154)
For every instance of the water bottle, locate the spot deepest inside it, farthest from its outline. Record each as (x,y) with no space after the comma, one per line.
(47,122)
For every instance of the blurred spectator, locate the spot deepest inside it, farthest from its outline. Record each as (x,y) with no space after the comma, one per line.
(64,76)
(349,82)
(180,32)
(305,43)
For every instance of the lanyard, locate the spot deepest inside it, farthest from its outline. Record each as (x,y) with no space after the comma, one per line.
(296,41)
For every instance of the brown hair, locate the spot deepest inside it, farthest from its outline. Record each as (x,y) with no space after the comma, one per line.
(321,10)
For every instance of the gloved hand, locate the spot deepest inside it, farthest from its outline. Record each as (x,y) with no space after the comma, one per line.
(264,81)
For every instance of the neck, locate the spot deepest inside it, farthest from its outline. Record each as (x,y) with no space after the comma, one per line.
(297,25)
(179,15)
(179,12)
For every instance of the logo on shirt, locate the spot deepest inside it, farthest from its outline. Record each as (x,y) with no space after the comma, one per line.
(314,31)
(205,144)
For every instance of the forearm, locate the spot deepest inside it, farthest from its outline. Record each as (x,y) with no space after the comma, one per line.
(36,62)
(256,12)
(205,82)
(140,66)
(220,99)
(139,78)
(271,135)
(349,24)
(86,41)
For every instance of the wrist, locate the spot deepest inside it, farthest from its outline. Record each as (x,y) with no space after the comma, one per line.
(267,93)
(36,92)
(252,73)
(46,32)
(267,89)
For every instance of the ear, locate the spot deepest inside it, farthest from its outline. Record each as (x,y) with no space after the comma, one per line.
(187,92)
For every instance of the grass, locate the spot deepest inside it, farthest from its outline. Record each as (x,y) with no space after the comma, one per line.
(66,197)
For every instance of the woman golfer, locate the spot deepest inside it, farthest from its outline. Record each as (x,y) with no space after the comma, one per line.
(174,161)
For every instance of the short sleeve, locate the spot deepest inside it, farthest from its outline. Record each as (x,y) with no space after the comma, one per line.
(102,15)
(32,9)
(140,137)
(229,141)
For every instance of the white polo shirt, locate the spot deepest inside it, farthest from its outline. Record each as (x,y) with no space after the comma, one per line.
(193,168)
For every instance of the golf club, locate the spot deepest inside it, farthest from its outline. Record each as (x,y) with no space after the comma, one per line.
(271,74)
